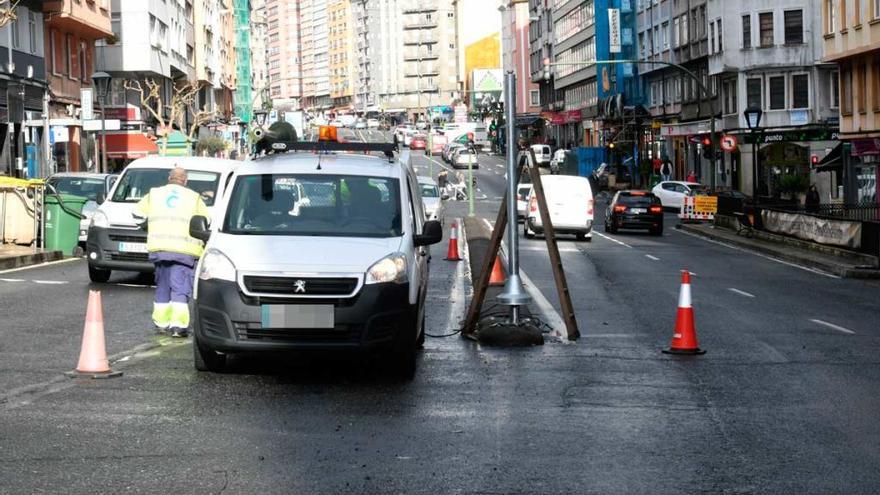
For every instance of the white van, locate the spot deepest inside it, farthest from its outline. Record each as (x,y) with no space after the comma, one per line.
(570,201)
(115,240)
(456,130)
(542,154)
(345,271)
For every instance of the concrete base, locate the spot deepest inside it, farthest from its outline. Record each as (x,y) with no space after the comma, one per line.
(507,335)
(10,260)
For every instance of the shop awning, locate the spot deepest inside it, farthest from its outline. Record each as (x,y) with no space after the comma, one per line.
(129,146)
(527,120)
(832,160)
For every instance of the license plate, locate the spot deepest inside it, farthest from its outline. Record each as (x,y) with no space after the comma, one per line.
(132,247)
(297,316)
(639,210)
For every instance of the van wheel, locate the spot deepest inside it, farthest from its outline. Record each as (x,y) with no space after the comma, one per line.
(207,359)
(403,357)
(98,275)
(656,232)
(581,236)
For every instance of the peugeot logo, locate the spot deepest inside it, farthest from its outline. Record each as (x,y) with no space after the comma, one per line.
(299,287)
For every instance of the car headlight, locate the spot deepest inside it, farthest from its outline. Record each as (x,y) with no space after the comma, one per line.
(99,219)
(389,269)
(216,266)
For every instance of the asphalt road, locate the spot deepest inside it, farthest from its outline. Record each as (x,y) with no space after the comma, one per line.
(784,401)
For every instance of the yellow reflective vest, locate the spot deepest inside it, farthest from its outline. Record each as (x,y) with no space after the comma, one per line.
(168,210)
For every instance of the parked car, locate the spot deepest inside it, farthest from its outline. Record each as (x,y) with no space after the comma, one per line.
(523,189)
(634,210)
(464,158)
(570,201)
(349,273)
(95,187)
(542,154)
(373,123)
(672,193)
(558,160)
(115,240)
(408,135)
(430,197)
(418,142)
(449,149)
(438,143)
(360,124)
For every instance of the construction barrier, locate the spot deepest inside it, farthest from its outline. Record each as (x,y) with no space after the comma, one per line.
(698,208)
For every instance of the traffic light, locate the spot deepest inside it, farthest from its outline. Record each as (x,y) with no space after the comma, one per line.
(611,146)
(707,148)
(814,160)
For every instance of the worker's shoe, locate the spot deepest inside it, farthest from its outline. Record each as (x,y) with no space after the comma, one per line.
(180,333)
(161,331)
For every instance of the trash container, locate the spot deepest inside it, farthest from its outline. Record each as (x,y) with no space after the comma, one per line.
(62,212)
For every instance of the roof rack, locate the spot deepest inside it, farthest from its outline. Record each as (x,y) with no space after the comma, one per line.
(318,146)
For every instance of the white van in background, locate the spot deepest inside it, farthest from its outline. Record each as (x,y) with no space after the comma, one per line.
(570,201)
(542,154)
(455,130)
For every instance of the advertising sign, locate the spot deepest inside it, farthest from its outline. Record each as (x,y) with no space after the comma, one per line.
(614,30)
(705,205)
(86,104)
(824,231)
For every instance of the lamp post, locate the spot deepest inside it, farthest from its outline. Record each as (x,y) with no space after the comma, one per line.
(753,119)
(101,81)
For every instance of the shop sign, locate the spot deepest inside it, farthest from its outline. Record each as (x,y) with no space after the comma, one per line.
(572,116)
(705,205)
(816,134)
(123,113)
(614,30)
(60,134)
(824,231)
(86,102)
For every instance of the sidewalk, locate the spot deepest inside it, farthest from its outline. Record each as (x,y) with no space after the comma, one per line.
(846,264)
(14,256)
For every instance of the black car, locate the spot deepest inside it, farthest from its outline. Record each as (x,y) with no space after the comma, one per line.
(635,210)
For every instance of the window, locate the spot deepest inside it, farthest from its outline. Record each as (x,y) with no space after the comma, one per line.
(747,31)
(875,85)
(664,35)
(56,43)
(753,92)
(875,9)
(712,37)
(534,97)
(720,36)
(835,90)
(800,91)
(777,92)
(765,25)
(862,87)
(16,37)
(729,89)
(831,16)
(846,95)
(32,31)
(794,27)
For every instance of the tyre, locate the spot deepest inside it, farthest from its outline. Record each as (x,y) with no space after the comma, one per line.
(403,359)
(581,236)
(420,340)
(98,275)
(207,359)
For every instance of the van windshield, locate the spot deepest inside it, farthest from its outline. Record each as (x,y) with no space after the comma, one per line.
(314,205)
(137,182)
(78,186)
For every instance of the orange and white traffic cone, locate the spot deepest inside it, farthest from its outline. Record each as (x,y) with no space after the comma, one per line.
(497,277)
(684,337)
(93,354)
(452,252)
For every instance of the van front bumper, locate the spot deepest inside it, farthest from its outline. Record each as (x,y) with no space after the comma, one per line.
(227,320)
(104,249)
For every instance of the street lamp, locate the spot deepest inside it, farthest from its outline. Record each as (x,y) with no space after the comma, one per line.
(101,80)
(753,119)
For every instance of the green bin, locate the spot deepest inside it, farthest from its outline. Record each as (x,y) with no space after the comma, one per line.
(62,222)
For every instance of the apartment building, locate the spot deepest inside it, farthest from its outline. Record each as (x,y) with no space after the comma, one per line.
(283,52)
(314,61)
(259,61)
(516,58)
(207,38)
(243,93)
(771,57)
(341,54)
(71,29)
(851,35)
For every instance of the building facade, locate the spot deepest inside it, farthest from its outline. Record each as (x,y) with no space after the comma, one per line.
(341,55)
(851,32)
(71,29)
(259,60)
(283,52)
(516,58)
(314,37)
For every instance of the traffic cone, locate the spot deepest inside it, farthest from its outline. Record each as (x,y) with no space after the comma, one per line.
(452,252)
(497,277)
(684,337)
(93,355)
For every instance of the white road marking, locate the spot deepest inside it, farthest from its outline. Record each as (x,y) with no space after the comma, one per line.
(740,292)
(547,311)
(50,282)
(443,165)
(12,279)
(544,249)
(612,335)
(488,224)
(652,257)
(612,239)
(833,326)
(805,268)
(41,265)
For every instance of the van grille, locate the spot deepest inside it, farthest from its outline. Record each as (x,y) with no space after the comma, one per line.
(340,334)
(127,238)
(130,257)
(311,286)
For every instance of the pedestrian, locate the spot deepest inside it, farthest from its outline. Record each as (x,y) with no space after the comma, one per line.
(442,178)
(691,177)
(811,202)
(168,211)
(666,169)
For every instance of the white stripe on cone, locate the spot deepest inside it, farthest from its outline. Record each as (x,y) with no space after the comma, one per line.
(684,296)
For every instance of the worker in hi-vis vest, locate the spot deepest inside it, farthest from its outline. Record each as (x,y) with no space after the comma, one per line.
(168,211)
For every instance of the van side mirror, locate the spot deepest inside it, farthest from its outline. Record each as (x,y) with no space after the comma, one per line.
(198,228)
(100,198)
(432,233)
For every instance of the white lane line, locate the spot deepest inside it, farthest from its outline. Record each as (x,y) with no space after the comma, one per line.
(548,313)
(443,165)
(652,257)
(41,265)
(804,268)
(50,282)
(488,224)
(833,326)
(740,292)
(612,239)
(12,279)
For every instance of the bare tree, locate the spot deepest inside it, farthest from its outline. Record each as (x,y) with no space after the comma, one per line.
(7,11)
(183,99)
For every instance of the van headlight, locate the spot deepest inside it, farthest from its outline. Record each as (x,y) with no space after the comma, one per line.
(389,269)
(216,266)
(100,220)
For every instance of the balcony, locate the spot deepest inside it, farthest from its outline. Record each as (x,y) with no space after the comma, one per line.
(421,10)
(415,57)
(419,24)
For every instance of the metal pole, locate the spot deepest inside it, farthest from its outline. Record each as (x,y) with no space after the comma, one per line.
(470,184)
(755,165)
(103,135)
(512,156)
